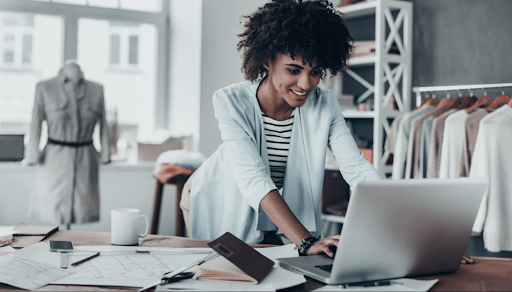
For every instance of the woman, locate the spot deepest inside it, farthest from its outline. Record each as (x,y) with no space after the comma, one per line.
(265,180)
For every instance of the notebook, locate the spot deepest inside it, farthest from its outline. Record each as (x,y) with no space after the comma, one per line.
(30,234)
(399,228)
(239,262)
(33,230)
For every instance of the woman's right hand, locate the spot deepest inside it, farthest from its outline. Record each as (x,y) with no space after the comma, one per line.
(326,245)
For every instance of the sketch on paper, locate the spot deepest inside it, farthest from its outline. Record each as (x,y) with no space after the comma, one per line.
(122,270)
(26,274)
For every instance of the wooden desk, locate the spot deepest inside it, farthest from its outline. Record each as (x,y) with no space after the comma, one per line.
(486,274)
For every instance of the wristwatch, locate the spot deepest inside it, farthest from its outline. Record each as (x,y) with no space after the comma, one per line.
(305,244)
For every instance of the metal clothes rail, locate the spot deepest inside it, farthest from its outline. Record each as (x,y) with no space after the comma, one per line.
(419,90)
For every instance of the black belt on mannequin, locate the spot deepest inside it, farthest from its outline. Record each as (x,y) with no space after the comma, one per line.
(69,144)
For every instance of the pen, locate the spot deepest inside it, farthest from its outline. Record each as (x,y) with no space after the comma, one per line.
(369,284)
(86,259)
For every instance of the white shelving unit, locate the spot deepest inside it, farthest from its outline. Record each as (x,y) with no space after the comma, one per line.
(389,30)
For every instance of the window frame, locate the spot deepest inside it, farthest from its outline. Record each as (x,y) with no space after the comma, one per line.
(71,14)
(18,33)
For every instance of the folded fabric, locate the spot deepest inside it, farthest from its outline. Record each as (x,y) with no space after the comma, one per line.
(5,240)
(367,48)
(185,158)
(165,172)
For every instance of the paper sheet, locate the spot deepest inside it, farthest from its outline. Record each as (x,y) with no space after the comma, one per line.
(7,249)
(7,230)
(401,285)
(278,278)
(40,253)
(22,273)
(126,269)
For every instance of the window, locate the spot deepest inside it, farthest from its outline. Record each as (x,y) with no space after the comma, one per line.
(9,48)
(16,45)
(116,42)
(128,78)
(28,55)
(138,5)
(133,50)
(124,45)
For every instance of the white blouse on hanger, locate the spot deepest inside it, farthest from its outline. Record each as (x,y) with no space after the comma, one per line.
(454,131)
(492,159)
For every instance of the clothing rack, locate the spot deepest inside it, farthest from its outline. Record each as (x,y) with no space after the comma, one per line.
(419,90)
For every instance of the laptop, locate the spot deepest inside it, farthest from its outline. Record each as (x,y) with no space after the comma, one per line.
(11,147)
(399,228)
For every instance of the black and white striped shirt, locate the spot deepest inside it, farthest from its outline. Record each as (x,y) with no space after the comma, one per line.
(278,134)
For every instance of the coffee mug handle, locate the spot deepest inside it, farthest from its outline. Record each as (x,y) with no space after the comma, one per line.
(147,225)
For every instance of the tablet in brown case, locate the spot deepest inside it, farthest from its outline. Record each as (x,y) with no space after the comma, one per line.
(242,255)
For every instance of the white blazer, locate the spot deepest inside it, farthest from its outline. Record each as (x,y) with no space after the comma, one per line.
(229,185)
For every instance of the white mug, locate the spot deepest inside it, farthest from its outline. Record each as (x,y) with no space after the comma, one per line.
(125,226)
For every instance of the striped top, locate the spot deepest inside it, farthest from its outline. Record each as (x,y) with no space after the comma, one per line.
(278,134)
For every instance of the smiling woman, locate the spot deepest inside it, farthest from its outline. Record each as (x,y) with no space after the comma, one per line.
(264,182)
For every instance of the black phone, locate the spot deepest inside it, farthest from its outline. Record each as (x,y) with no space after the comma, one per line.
(56,245)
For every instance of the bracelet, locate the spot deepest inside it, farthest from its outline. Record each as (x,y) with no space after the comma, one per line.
(305,244)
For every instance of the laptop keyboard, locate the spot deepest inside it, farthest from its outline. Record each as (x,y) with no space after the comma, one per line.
(327,268)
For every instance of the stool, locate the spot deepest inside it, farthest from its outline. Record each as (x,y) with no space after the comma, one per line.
(179,181)
(173,167)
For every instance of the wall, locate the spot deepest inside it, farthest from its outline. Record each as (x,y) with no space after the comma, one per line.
(185,69)
(462,42)
(121,186)
(220,61)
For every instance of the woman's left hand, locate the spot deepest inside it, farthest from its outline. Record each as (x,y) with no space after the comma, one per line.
(327,245)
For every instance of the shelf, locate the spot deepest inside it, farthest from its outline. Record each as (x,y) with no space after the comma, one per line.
(355,114)
(333,218)
(362,61)
(360,9)
(371,60)
(363,8)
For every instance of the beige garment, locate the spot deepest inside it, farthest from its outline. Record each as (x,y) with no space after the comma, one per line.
(436,144)
(402,140)
(185,203)
(66,187)
(469,141)
(413,149)
(389,145)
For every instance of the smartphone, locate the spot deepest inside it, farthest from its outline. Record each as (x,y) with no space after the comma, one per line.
(61,246)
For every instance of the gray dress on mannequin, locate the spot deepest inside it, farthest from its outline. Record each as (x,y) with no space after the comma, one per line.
(66,187)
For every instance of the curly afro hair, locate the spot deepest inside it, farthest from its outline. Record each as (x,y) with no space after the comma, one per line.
(313,30)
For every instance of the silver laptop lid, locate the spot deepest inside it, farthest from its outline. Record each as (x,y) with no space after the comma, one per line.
(405,228)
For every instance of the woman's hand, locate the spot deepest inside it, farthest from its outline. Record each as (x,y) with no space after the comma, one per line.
(323,246)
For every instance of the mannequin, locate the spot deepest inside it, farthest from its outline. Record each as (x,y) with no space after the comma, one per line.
(66,188)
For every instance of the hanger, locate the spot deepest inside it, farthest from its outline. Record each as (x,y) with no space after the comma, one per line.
(482,101)
(424,100)
(498,101)
(459,103)
(444,103)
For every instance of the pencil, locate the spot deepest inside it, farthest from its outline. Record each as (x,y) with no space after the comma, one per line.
(86,259)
